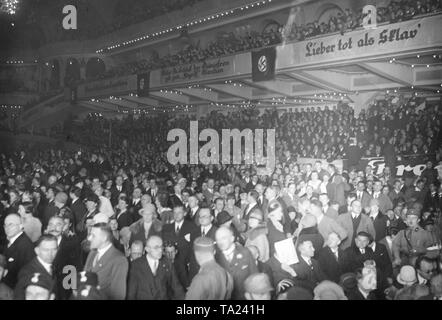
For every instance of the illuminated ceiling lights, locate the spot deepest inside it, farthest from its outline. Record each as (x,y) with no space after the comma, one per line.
(188,24)
(9,6)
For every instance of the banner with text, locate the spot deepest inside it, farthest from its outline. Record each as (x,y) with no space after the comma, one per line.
(105,87)
(405,165)
(197,71)
(417,33)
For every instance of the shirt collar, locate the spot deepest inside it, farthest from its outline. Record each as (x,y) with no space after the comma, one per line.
(179,224)
(47,266)
(101,252)
(206,228)
(151,261)
(15,238)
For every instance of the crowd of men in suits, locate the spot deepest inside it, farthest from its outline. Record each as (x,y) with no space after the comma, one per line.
(101,233)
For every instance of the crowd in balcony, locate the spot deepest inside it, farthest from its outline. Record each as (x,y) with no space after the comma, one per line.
(348,20)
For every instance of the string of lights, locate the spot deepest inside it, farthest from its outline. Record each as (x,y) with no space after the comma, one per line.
(188,24)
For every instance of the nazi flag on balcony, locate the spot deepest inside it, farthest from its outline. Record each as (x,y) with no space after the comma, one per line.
(263,64)
(143,80)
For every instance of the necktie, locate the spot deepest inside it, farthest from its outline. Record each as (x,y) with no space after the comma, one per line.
(94,263)
(155,267)
(177,230)
(362,251)
(203,232)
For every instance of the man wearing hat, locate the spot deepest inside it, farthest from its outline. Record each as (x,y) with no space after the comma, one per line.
(235,259)
(153,276)
(212,282)
(224,219)
(411,242)
(38,286)
(92,202)
(46,249)
(258,287)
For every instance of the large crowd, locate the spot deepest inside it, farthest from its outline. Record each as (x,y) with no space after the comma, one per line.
(133,226)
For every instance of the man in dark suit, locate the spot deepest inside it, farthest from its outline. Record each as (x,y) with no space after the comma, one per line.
(362,195)
(51,208)
(331,258)
(176,198)
(46,249)
(153,277)
(107,262)
(308,269)
(123,216)
(135,205)
(380,221)
(383,200)
(193,211)
(145,227)
(359,253)
(68,254)
(206,228)
(235,259)
(153,189)
(182,233)
(252,199)
(78,208)
(382,259)
(118,189)
(19,250)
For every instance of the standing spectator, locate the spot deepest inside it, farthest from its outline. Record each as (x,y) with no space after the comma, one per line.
(235,259)
(107,262)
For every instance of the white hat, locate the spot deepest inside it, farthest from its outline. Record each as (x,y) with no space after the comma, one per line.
(101,218)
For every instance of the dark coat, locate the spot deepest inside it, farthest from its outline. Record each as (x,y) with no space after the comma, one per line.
(68,254)
(312,275)
(144,285)
(17,256)
(138,232)
(183,242)
(380,226)
(241,266)
(111,269)
(79,210)
(125,219)
(311,234)
(34,266)
(333,268)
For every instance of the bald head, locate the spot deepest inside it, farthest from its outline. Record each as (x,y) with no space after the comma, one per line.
(308,221)
(224,238)
(148,212)
(13,225)
(154,247)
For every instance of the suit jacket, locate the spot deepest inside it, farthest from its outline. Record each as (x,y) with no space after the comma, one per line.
(313,274)
(240,267)
(134,211)
(209,234)
(380,226)
(248,209)
(78,209)
(211,283)
(112,269)
(183,242)
(115,194)
(125,219)
(355,259)
(365,200)
(396,196)
(150,193)
(17,256)
(333,268)
(34,266)
(49,211)
(346,221)
(144,285)
(383,260)
(193,218)
(68,254)
(175,200)
(384,203)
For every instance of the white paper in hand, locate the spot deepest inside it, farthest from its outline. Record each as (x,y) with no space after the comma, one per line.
(285,249)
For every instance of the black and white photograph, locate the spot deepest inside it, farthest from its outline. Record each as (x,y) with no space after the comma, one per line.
(220,154)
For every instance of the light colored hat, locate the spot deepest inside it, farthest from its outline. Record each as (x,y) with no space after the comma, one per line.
(407,276)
